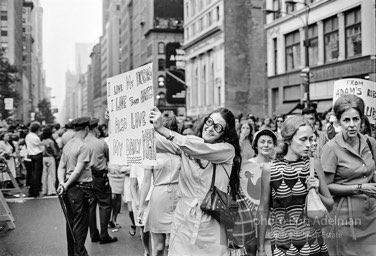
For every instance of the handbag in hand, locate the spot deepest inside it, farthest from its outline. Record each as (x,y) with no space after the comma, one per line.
(220,205)
(315,209)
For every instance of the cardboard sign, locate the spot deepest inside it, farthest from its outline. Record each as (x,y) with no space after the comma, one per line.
(130,98)
(364,89)
(250,183)
(8,102)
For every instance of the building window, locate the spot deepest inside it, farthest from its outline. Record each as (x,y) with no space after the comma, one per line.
(4,33)
(195,89)
(187,10)
(277,9)
(4,15)
(290,7)
(150,50)
(201,24)
(313,48)
(161,64)
(275,52)
(331,41)
(193,4)
(218,14)
(161,48)
(203,86)
(161,81)
(353,33)
(210,18)
(292,42)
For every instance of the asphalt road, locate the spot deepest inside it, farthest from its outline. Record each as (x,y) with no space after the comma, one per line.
(40,230)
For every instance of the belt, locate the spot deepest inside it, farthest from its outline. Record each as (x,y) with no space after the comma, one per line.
(100,173)
(86,185)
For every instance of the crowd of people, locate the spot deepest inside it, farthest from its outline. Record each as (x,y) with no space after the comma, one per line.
(266,160)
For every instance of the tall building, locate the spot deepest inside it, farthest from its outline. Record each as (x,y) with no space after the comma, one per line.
(82,56)
(341,44)
(147,27)
(95,82)
(225,64)
(72,95)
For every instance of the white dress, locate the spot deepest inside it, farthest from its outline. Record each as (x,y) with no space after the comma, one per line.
(194,232)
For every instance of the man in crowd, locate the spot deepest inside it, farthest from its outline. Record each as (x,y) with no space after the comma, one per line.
(35,151)
(68,134)
(75,180)
(101,186)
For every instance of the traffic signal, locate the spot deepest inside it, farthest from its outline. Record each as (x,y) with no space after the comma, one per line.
(175,86)
(306,74)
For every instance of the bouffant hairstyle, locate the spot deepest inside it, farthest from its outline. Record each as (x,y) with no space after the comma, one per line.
(169,121)
(346,102)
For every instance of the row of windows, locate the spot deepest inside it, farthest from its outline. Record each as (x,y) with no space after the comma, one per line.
(206,21)
(192,7)
(353,42)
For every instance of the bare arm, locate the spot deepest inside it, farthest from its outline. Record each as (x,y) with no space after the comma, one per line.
(324,193)
(135,196)
(264,207)
(145,187)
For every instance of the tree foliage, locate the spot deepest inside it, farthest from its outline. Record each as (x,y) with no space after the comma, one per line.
(44,112)
(7,83)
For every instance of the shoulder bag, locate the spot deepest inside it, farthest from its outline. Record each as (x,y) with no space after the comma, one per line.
(220,205)
(315,209)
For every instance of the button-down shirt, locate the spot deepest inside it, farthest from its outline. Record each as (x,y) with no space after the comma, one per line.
(33,143)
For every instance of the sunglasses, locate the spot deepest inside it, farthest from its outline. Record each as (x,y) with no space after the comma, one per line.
(217,127)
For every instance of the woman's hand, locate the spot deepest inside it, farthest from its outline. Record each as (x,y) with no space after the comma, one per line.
(313,182)
(156,118)
(140,214)
(369,188)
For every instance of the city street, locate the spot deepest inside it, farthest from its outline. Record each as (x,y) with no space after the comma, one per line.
(40,230)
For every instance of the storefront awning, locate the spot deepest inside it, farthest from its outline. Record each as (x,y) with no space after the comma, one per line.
(288,108)
(323,106)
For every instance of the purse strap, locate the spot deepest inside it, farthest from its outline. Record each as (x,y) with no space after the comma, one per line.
(213,177)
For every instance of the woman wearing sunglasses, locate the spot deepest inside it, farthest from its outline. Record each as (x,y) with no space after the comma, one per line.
(216,143)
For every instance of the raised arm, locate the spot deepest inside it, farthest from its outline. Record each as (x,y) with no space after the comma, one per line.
(264,208)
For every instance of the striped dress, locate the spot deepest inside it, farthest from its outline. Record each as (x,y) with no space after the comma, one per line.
(292,232)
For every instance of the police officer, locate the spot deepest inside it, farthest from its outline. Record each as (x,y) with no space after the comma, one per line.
(101,186)
(75,179)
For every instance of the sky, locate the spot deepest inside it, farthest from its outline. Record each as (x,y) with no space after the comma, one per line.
(66,22)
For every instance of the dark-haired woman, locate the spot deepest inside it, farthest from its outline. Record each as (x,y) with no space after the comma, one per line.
(349,168)
(284,188)
(216,143)
(245,140)
(49,165)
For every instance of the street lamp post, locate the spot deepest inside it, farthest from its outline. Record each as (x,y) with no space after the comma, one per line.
(305,72)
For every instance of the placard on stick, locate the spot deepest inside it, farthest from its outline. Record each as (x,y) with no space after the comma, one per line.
(364,89)
(130,98)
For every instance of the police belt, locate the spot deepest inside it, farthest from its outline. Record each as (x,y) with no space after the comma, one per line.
(99,173)
(86,185)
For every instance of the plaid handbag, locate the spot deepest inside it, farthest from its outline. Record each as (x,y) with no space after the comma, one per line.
(244,231)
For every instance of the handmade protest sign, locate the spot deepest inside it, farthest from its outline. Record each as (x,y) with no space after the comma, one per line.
(364,89)
(130,97)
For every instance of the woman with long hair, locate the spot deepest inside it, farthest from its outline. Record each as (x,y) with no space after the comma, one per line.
(216,145)
(285,185)
(245,140)
(49,165)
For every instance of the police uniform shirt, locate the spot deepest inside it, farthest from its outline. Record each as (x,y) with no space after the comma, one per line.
(74,152)
(99,150)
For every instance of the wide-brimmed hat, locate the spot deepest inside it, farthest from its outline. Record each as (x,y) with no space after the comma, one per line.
(266,132)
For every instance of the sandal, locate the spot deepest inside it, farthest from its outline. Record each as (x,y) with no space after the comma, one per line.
(132,230)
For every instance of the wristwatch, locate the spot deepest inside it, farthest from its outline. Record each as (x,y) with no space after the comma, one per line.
(359,188)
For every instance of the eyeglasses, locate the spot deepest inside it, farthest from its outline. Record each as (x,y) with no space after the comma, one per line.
(217,127)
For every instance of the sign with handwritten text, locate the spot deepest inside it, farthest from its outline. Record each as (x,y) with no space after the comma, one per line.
(364,89)
(130,97)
